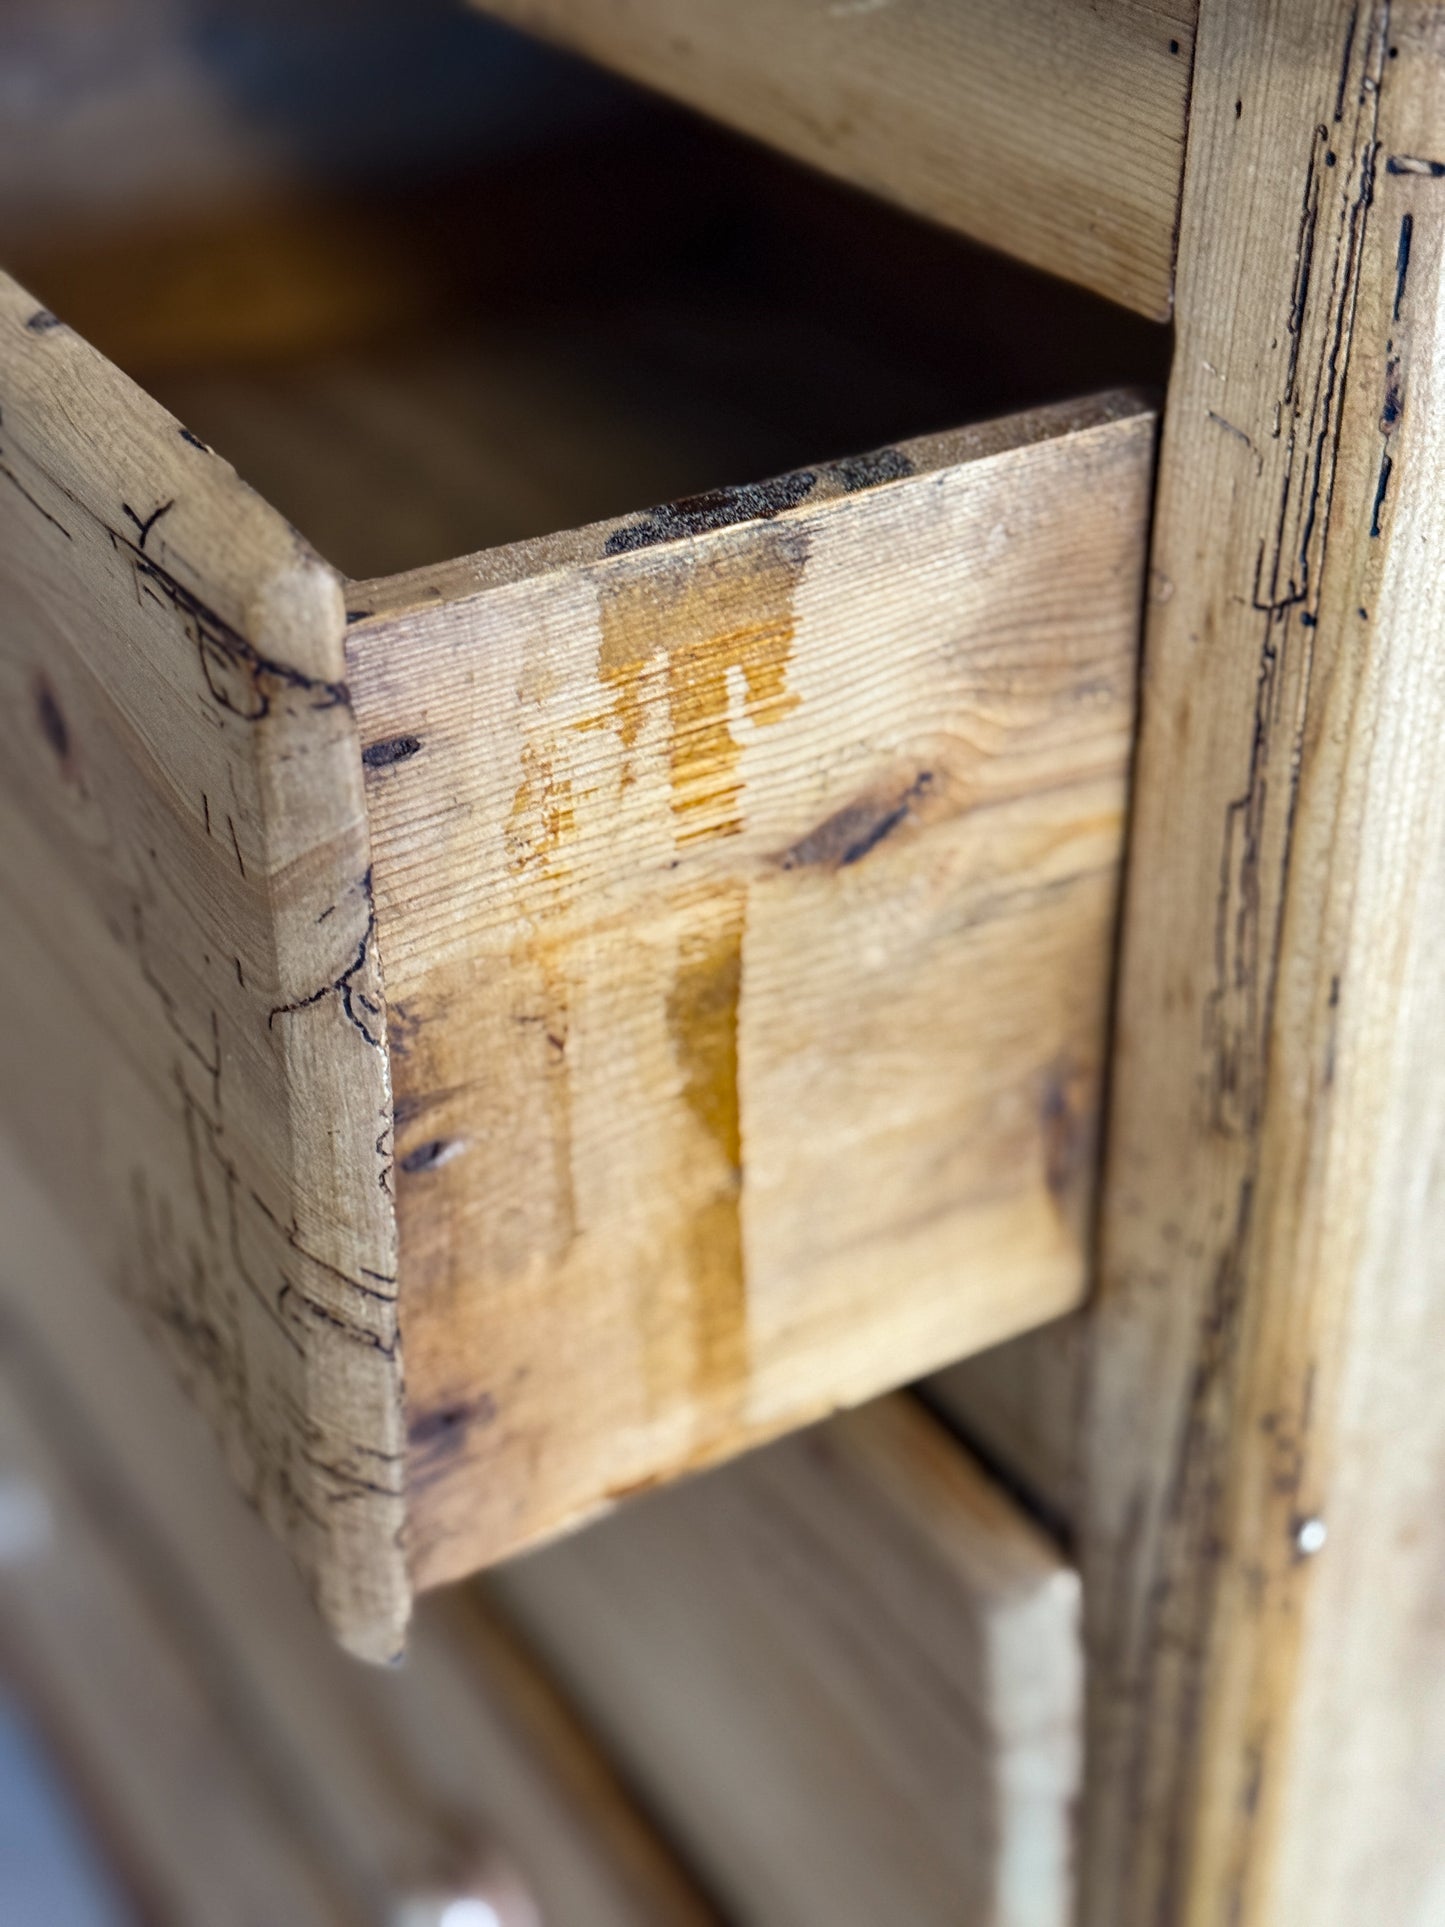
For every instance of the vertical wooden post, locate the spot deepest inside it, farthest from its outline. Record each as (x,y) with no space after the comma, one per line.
(1264,1531)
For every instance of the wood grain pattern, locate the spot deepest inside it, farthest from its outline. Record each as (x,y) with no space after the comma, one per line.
(1050,130)
(240,1766)
(844,1670)
(1265,1534)
(745,878)
(195,1048)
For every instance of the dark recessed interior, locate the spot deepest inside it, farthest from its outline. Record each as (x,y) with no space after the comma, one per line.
(512,335)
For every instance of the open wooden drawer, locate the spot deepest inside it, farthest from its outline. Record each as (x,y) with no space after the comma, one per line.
(652,978)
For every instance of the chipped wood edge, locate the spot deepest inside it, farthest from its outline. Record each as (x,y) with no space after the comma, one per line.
(1262,1406)
(385,598)
(258,605)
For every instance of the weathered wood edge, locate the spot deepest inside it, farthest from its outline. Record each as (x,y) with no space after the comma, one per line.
(236,586)
(1257,1576)
(385,598)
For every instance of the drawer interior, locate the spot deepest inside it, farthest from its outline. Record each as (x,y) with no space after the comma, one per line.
(485,345)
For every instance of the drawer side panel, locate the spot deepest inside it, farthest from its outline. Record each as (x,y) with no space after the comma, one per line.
(194,1045)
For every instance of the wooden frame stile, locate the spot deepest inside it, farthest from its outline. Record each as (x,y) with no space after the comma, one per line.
(195,1030)
(1261,1525)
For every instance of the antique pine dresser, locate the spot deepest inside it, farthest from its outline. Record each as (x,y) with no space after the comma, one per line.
(740,970)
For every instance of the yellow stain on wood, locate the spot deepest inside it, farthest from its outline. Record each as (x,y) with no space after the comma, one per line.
(695,629)
(706,789)
(621,667)
(702,1014)
(710,635)
(702,1018)
(541,817)
(550,1022)
(541,813)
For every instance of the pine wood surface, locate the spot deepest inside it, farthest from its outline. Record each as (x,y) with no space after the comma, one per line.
(745,880)
(195,1045)
(1263,1535)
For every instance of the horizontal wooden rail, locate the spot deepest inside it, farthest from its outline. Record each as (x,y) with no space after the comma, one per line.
(845,1671)
(1051,130)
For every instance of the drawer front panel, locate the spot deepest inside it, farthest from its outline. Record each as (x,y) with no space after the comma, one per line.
(745,878)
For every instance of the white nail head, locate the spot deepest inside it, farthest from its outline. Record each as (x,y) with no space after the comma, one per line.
(1310,1536)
